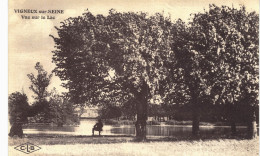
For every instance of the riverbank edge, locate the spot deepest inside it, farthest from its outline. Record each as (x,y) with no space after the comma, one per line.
(108,139)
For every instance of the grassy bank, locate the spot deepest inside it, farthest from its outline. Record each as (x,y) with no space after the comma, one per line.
(125,145)
(51,139)
(67,140)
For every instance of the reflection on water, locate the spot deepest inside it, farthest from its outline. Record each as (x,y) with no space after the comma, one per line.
(86,125)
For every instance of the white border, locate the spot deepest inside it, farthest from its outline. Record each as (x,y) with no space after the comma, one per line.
(4,76)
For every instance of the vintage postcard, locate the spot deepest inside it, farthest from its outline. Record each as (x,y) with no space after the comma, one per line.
(140,77)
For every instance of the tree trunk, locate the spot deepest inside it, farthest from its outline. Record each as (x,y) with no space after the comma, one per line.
(16,129)
(195,122)
(140,128)
(233,128)
(232,111)
(141,109)
(141,121)
(195,117)
(233,120)
(251,126)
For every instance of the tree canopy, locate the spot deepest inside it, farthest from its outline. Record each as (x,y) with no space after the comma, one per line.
(17,107)
(40,82)
(136,59)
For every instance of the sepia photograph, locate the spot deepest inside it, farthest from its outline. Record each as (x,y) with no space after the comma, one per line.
(133,78)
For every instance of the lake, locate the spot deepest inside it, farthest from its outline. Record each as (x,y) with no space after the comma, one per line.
(86,125)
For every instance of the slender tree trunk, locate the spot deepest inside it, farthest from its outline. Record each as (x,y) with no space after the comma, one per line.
(232,111)
(252,131)
(251,125)
(233,120)
(196,122)
(233,128)
(195,117)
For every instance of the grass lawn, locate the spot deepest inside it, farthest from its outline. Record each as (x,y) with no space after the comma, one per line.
(125,145)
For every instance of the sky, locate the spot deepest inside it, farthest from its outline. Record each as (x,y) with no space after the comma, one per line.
(29,41)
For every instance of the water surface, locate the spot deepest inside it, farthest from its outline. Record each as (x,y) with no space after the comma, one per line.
(86,125)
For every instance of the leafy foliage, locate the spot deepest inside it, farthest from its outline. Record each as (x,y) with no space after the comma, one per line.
(131,46)
(17,107)
(217,55)
(131,59)
(57,110)
(230,37)
(40,82)
(110,112)
(61,110)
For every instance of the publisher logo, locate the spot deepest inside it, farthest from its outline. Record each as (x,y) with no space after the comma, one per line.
(27,148)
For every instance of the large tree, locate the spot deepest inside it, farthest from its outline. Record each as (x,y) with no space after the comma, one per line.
(232,35)
(218,52)
(195,68)
(114,59)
